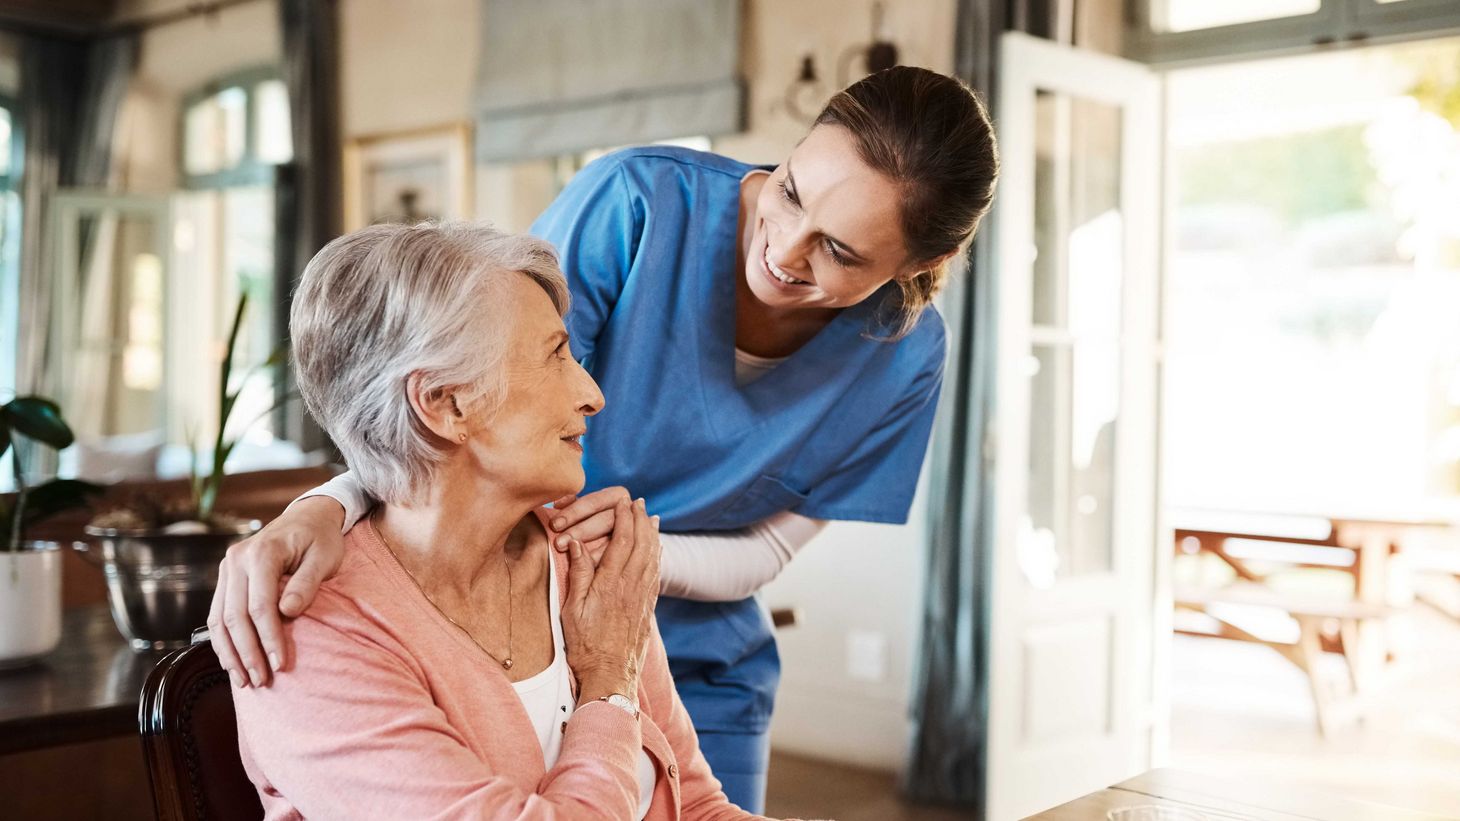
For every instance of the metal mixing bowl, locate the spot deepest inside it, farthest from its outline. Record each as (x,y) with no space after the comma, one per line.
(160,584)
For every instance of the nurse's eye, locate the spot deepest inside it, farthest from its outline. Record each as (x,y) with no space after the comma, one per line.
(787,194)
(561,353)
(837,256)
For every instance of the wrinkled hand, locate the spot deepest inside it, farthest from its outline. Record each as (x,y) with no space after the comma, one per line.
(588,518)
(244,624)
(609,611)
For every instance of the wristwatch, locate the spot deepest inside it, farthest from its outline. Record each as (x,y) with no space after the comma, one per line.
(622,702)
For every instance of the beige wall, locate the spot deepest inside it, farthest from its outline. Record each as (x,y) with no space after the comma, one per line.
(777,34)
(406,65)
(181,57)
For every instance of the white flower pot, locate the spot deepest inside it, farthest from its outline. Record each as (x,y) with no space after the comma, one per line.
(30,602)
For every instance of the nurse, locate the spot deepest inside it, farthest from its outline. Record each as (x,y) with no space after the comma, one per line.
(771,358)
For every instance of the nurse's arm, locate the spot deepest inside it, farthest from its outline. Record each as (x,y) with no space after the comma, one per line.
(303,543)
(732,565)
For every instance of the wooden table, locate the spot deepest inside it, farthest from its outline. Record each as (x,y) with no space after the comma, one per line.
(87,690)
(68,728)
(1221,799)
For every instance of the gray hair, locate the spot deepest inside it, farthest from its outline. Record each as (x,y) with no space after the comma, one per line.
(379,304)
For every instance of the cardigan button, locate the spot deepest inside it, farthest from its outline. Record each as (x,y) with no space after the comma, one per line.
(674,771)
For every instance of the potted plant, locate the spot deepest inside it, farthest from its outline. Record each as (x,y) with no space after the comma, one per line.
(30,573)
(161,554)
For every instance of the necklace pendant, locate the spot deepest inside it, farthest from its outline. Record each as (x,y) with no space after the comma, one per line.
(507,664)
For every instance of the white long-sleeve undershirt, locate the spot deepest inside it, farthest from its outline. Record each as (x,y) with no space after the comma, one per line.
(704,566)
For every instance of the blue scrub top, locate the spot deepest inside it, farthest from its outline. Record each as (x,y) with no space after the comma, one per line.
(647,238)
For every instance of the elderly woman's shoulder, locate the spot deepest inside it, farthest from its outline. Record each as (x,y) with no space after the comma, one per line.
(365,592)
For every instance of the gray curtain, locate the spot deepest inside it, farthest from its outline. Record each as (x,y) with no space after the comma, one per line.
(947,761)
(307,212)
(563,76)
(70,94)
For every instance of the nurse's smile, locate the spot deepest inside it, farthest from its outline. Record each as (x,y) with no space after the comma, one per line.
(778,276)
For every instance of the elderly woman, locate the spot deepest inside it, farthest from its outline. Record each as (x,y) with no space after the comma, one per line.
(456,666)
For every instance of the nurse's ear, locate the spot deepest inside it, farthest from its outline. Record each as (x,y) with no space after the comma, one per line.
(436,409)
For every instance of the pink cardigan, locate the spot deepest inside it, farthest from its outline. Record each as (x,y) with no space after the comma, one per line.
(391,712)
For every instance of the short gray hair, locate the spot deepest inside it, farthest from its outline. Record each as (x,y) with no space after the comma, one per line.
(379,304)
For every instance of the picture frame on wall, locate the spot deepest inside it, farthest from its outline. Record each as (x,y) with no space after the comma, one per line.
(408,176)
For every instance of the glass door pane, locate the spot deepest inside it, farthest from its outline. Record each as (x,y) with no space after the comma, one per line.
(1074,364)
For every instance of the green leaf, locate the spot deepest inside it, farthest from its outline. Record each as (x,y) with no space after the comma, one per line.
(227,368)
(40,419)
(56,496)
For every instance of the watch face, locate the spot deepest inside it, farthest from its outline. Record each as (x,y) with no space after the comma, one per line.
(623,703)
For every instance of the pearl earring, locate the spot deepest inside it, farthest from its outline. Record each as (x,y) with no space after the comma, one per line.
(461,437)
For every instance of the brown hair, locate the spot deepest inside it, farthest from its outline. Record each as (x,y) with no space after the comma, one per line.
(931,135)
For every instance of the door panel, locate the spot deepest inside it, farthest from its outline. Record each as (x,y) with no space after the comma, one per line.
(1073,633)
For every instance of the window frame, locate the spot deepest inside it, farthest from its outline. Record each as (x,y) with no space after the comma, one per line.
(249,170)
(1336,24)
(10,248)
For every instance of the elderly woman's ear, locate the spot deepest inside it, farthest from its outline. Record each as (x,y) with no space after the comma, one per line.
(437,409)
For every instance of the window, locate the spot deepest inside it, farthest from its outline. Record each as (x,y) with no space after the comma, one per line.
(1192,15)
(234,132)
(1313,358)
(9,258)
(9,242)
(1185,31)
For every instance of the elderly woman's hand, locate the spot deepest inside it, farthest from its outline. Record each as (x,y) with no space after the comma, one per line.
(588,518)
(608,615)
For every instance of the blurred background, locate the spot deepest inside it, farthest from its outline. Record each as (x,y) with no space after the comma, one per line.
(1193,495)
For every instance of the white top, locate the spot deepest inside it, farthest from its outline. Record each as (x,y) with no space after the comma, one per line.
(548,697)
(749,367)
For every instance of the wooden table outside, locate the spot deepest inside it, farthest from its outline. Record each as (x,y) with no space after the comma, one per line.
(1220,799)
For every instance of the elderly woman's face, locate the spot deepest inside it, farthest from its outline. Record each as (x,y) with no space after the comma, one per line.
(532,443)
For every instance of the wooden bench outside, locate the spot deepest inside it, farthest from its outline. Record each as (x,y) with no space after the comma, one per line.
(1306,652)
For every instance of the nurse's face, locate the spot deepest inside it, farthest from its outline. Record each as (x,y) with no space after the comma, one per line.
(531,444)
(828,232)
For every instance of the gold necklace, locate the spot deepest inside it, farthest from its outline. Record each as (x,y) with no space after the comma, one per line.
(505,662)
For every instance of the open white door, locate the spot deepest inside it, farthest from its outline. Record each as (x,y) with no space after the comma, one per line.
(1072,703)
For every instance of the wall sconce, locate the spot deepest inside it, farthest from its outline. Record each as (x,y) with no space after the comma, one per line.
(805,95)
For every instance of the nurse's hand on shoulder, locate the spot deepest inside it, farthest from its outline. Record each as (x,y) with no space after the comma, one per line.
(304,544)
(609,612)
(588,519)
